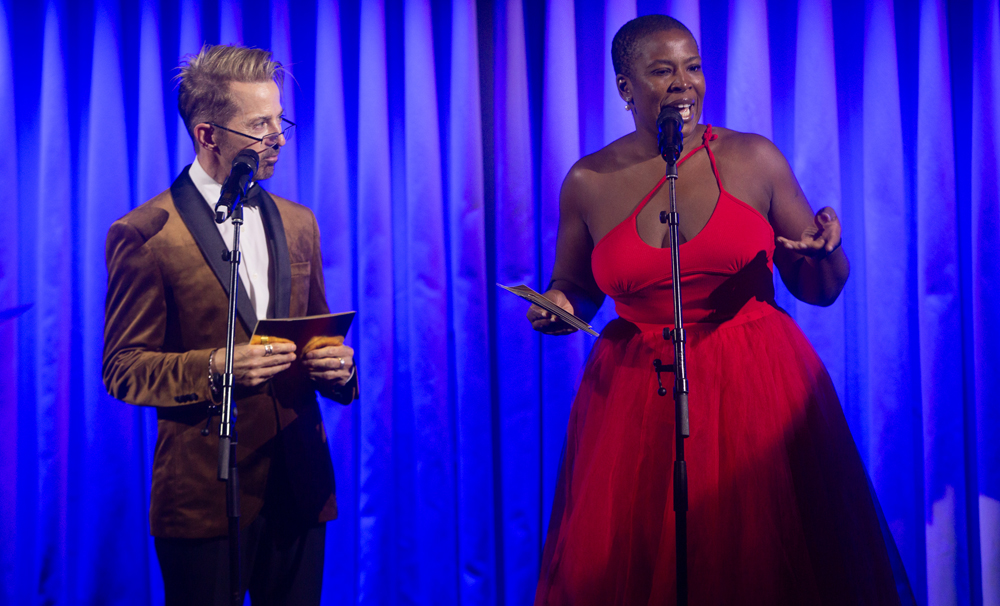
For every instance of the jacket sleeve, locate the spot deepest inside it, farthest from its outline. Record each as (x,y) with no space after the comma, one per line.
(136,370)
(318,305)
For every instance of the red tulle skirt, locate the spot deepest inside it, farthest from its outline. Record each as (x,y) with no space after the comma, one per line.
(779,506)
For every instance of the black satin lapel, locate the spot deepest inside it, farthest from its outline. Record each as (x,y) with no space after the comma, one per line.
(278,244)
(198,217)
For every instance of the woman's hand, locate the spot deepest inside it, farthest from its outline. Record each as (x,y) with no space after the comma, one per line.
(547,322)
(818,240)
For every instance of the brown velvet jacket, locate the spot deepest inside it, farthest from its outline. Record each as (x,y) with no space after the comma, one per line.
(166,311)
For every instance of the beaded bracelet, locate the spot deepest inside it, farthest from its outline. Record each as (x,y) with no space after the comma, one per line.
(213,384)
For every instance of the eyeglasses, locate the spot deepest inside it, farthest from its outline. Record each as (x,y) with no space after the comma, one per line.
(268,140)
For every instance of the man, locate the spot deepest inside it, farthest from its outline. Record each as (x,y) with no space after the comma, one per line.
(165,330)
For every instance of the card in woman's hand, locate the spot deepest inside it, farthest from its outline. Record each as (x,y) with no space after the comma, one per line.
(529,294)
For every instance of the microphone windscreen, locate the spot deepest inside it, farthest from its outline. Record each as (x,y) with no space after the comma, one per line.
(669,119)
(247,157)
(671,141)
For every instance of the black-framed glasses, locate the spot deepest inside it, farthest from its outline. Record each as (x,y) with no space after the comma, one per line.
(268,140)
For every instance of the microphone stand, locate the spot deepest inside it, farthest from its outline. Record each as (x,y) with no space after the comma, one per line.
(227,470)
(679,337)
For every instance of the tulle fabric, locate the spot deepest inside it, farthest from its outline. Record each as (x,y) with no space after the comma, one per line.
(780,511)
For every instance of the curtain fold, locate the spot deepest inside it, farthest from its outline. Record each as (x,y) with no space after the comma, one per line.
(617,122)
(50,343)
(425,311)
(433,139)
(331,204)
(101,429)
(815,159)
(285,181)
(892,395)
(377,498)
(469,332)
(938,308)
(517,351)
(189,40)
(985,281)
(9,278)
(562,358)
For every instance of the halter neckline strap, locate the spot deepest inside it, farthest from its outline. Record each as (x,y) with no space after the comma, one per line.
(707,136)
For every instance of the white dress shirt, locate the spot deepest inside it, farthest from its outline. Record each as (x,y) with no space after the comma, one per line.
(255,263)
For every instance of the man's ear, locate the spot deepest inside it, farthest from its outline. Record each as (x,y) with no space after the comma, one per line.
(204,136)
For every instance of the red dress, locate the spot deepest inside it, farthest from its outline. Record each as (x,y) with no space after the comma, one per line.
(779,506)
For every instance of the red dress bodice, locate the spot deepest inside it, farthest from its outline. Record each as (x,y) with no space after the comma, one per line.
(726,269)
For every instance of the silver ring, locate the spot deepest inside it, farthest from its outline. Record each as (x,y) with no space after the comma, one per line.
(268,349)
(341,362)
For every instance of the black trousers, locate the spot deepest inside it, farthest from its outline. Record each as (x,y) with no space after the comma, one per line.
(280,564)
(281,557)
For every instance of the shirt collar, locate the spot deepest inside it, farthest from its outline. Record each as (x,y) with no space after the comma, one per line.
(209,188)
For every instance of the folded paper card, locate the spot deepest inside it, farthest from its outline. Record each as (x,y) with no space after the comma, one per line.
(308,333)
(528,294)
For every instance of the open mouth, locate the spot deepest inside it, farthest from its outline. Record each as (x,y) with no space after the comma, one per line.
(686,110)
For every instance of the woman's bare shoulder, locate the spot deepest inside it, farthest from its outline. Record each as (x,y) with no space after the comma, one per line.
(751,156)
(603,164)
(591,173)
(742,147)
(734,140)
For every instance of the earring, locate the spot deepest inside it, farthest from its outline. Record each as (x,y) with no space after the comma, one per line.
(628,105)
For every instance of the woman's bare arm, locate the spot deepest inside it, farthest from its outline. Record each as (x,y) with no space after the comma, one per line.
(572,287)
(807,253)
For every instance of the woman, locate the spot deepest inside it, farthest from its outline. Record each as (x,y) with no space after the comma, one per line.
(780,511)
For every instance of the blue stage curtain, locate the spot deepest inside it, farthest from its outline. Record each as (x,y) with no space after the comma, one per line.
(432,143)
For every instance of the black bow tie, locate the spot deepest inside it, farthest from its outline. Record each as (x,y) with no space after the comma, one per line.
(252,199)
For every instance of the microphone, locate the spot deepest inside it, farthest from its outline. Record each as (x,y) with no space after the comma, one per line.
(244,166)
(668,126)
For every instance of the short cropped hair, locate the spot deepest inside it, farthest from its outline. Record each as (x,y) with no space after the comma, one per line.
(628,37)
(204,94)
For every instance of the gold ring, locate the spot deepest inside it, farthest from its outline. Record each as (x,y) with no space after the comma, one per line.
(263,340)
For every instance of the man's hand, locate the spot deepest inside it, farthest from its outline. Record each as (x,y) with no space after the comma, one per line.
(333,365)
(547,322)
(253,365)
(818,240)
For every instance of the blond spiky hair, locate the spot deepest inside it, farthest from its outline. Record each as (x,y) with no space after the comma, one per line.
(204,79)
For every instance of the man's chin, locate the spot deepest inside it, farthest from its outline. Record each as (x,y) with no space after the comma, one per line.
(265,171)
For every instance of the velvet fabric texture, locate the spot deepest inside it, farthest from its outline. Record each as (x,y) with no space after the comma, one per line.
(166,311)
